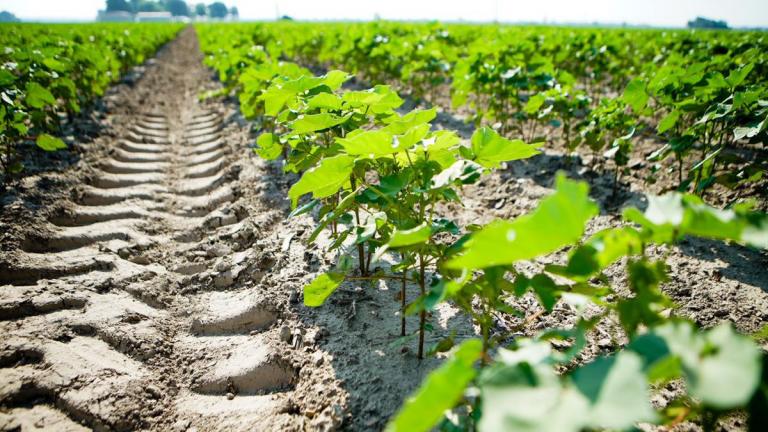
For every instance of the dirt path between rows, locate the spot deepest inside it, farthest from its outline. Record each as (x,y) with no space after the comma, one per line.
(156,283)
(136,293)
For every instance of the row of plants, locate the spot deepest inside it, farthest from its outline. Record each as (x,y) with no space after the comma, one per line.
(379,179)
(701,95)
(50,71)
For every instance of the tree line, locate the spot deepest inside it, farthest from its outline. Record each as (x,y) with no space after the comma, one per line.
(175,7)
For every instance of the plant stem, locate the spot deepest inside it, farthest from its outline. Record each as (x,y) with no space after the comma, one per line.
(360,246)
(402,298)
(423,313)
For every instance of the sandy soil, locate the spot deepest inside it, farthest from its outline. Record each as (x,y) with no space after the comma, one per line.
(155,282)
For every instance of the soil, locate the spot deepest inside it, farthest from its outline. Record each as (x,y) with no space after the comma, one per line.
(152,280)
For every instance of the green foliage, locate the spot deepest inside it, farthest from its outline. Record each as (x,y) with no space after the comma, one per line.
(52,70)
(324,180)
(490,150)
(50,143)
(323,286)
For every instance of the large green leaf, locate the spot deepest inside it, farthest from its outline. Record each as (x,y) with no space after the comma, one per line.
(668,122)
(269,146)
(491,149)
(440,391)
(315,122)
(558,221)
(521,392)
(371,143)
(721,367)
(673,215)
(397,124)
(410,237)
(326,101)
(50,143)
(323,180)
(335,78)
(617,390)
(635,95)
(275,99)
(379,100)
(321,287)
(38,96)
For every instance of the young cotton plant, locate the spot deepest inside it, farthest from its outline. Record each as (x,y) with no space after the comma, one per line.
(708,110)
(518,388)
(417,170)
(378,176)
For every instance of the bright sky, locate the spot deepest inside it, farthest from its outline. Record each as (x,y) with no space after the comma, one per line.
(674,13)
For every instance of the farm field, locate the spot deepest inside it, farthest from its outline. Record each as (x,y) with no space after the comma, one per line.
(382,226)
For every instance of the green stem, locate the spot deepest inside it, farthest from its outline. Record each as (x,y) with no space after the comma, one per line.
(402,298)
(423,313)
(360,246)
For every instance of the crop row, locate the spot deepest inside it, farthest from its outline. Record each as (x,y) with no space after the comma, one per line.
(701,95)
(50,71)
(378,178)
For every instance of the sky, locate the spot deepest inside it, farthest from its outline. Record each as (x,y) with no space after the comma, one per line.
(666,13)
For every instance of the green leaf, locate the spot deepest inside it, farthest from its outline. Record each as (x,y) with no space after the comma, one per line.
(379,100)
(6,78)
(50,143)
(269,146)
(668,122)
(326,101)
(737,76)
(315,122)
(602,250)
(441,390)
(410,237)
(521,394)
(371,143)
(335,78)
(412,136)
(673,215)
(534,103)
(398,125)
(490,149)
(38,96)
(722,368)
(635,95)
(54,64)
(617,390)
(323,180)
(750,130)
(558,221)
(275,99)
(648,302)
(321,287)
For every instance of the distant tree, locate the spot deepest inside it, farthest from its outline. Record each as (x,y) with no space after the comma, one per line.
(177,7)
(286,18)
(6,16)
(201,9)
(234,12)
(149,6)
(118,5)
(705,23)
(217,10)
